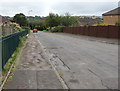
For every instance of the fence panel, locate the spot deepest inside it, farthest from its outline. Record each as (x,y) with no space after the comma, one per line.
(9,45)
(82,32)
(96,31)
(77,29)
(102,31)
(72,30)
(86,30)
(92,31)
(113,32)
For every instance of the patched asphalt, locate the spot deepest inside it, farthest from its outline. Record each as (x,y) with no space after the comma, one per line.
(84,62)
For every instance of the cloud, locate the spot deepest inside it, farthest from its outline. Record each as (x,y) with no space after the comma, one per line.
(28,8)
(59,1)
(42,8)
(84,8)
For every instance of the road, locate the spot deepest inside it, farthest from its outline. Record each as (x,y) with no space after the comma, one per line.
(82,62)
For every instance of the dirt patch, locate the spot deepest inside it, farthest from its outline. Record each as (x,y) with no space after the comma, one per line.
(32,57)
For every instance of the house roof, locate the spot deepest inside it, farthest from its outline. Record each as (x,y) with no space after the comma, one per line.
(3,19)
(113,12)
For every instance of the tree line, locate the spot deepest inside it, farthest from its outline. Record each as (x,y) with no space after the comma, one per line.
(52,20)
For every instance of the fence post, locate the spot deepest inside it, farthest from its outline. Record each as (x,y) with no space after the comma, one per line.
(107,31)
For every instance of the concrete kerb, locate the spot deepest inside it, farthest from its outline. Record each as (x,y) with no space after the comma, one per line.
(49,57)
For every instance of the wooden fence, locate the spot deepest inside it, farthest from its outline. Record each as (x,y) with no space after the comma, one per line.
(95,31)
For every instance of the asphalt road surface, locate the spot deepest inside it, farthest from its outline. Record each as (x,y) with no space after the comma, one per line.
(83,62)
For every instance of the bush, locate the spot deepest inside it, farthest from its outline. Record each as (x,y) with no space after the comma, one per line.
(13,25)
(53,30)
(57,29)
(18,28)
(40,28)
(117,23)
(45,30)
(25,27)
(101,24)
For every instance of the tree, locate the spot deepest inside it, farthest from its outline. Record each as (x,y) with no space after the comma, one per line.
(20,19)
(36,21)
(66,20)
(52,20)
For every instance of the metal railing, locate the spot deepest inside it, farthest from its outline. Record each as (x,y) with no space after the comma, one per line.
(8,45)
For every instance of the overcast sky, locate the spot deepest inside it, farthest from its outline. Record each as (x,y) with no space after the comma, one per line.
(44,7)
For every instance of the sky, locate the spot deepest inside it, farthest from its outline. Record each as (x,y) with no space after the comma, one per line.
(44,7)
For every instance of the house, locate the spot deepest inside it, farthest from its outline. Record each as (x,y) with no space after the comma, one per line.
(90,20)
(4,26)
(112,16)
(4,20)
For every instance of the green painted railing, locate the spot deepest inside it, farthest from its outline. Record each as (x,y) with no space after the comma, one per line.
(0,54)
(8,45)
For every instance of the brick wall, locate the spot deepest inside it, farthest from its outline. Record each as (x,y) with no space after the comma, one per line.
(111,20)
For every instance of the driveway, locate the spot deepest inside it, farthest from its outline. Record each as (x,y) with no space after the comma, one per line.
(82,62)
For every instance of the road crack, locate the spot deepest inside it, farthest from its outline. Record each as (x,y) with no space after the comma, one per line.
(64,63)
(99,78)
(56,57)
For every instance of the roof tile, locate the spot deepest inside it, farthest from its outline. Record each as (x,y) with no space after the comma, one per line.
(113,12)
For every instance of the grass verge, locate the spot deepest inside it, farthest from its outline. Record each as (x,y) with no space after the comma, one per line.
(12,60)
(47,31)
